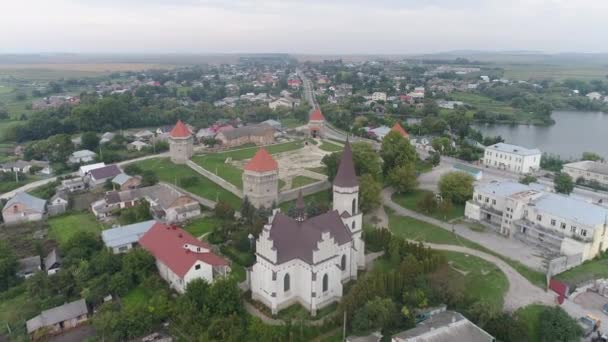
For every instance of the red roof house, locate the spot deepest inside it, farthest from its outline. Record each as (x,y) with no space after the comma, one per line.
(180,257)
(317,116)
(180,130)
(397,128)
(262,162)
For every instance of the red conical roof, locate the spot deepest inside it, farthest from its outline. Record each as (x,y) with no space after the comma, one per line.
(180,130)
(397,128)
(317,116)
(262,162)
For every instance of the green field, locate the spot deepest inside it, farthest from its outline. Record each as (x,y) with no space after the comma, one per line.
(65,226)
(593,269)
(321,170)
(322,198)
(216,162)
(539,71)
(330,147)
(530,315)
(410,201)
(300,181)
(202,226)
(291,123)
(173,173)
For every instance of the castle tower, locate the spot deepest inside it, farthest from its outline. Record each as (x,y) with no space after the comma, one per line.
(261,180)
(346,201)
(316,124)
(181,144)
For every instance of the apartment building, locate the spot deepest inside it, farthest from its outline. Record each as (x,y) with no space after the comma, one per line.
(559,224)
(588,170)
(512,158)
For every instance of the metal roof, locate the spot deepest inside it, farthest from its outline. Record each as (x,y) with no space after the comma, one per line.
(27,200)
(571,208)
(120,236)
(346,176)
(508,148)
(57,315)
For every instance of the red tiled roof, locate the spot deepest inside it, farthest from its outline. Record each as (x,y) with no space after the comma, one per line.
(262,162)
(317,116)
(180,130)
(397,128)
(166,243)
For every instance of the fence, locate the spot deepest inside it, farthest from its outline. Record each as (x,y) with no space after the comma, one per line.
(562,264)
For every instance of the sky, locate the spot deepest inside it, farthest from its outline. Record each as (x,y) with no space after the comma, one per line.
(302,26)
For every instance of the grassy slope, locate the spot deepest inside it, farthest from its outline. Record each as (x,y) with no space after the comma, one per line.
(531,316)
(593,269)
(299,181)
(65,226)
(202,225)
(330,147)
(411,200)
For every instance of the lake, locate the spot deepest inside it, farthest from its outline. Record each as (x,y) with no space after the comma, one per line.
(572,134)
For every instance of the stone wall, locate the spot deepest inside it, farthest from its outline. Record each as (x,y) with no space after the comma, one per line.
(215,179)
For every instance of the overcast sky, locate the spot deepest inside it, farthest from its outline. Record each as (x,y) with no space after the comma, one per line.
(302,26)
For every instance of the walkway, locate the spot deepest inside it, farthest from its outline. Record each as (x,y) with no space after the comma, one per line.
(510,248)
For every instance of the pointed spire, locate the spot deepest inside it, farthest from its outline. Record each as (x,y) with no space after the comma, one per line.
(262,161)
(180,130)
(346,176)
(300,208)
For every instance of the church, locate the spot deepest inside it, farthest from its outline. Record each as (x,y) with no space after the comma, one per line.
(306,260)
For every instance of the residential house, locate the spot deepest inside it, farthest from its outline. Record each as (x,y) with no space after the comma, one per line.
(124,238)
(137,145)
(23,207)
(114,201)
(588,170)
(82,156)
(594,96)
(85,169)
(76,184)
(512,158)
(285,102)
(126,182)
(143,135)
(59,319)
(274,124)
(52,262)
(28,266)
(379,96)
(100,175)
(258,134)
(182,258)
(294,83)
(58,203)
(107,137)
(205,133)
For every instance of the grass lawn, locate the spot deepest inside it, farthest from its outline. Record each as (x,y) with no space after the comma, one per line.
(330,147)
(172,173)
(216,162)
(8,186)
(298,312)
(65,226)
(202,225)
(414,229)
(136,298)
(14,311)
(321,169)
(291,122)
(322,198)
(531,316)
(593,269)
(299,181)
(410,201)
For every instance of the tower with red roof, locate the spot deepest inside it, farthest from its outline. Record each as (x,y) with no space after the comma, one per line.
(261,180)
(316,123)
(181,143)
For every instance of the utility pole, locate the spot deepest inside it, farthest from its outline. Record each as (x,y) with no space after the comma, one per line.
(344,327)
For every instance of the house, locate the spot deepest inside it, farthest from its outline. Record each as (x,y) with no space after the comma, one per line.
(137,145)
(59,319)
(58,203)
(205,133)
(284,102)
(100,175)
(126,182)
(52,262)
(122,239)
(16,166)
(378,132)
(107,137)
(316,124)
(73,185)
(181,258)
(85,169)
(274,124)
(258,134)
(512,158)
(558,224)
(82,156)
(143,135)
(444,326)
(294,83)
(594,96)
(588,170)
(378,96)
(28,266)
(114,201)
(23,207)
(306,260)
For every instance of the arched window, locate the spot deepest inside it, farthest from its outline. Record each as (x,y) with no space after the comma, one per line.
(354,211)
(343,262)
(325,283)
(286,283)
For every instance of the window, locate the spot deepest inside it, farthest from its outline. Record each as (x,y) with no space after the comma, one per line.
(552,222)
(573,229)
(583,232)
(353,225)
(563,225)
(286,284)
(494,201)
(479,197)
(197,267)
(487,199)
(539,218)
(325,283)
(354,209)
(343,263)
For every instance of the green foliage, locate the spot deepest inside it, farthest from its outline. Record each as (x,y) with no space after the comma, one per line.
(89,141)
(443,145)
(331,162)
(428,204)
(370,193)
(456,187)
(366,160)
(132,169)
(551,162)
(8,266)
(591,156)
(527,179)
(224,211)
(137,213)
(563,183)
(190,181)
(557,326)
(378,313)
(148,178)
(396,151)
(403,178)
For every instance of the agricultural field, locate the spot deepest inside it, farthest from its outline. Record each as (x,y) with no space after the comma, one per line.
(525,72)
(49,72)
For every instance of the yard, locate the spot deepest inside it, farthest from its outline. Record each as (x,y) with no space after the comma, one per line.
(15,308)
(322,199)
(530,315)
(321,170)
(65,226)
(593,269)
(202,226)
(410,201)
(174,174)
(330,147)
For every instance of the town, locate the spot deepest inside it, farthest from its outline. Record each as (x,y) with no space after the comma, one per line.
(280,197)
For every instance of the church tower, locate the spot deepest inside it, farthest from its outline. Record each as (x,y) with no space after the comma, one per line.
(181,144)
(261,180)
(346,201)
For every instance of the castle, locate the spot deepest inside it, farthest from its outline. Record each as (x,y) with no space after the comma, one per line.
(261,180)
(181,143)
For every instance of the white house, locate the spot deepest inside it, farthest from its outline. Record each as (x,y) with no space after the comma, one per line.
(379,96)
(23,207)
(85,169)
(562,225)
(306,260)
(512,158)
(181,258)
(82,156)
(594,96)
(588,170)
(122,239)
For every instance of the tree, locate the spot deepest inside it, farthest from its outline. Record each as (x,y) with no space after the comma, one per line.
(557,326)
(456,187)
(591,156)
(396,151)
(223,210)
(138,264)
(90,141)
(331,162)
(133,169)
(369,193)
(3,113)
(435,158)
(403,178)
(8,266)
(563,183)
(378,313)
(442,145)
(366,160)
(428,204)
(148,178)
(527,179)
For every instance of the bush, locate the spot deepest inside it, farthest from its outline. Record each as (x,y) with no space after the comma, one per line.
(456,187)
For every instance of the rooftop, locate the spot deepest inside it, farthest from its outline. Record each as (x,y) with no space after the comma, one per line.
(27,200)
(317,116)
(180,130)
(255,130)
(591,166)
(397,128)
(508,148)
(346,176)
(58,314)
(105,172)
(120,236)
(506,188)
(572,208)
(447,326)
(262,161)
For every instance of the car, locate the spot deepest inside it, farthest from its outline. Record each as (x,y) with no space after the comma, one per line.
(605,308)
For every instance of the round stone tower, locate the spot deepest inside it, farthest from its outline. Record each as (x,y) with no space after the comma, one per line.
(261,180)
(181,143)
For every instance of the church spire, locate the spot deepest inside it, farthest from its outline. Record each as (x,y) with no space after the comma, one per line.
(300,208)
(346,176)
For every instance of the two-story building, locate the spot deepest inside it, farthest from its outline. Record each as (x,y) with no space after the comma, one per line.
(512,158)
(588,170)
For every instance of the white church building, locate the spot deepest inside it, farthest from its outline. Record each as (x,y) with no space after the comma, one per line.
(306,260)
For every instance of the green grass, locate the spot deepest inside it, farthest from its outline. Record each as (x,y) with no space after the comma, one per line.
(238,272)
(530,315)
(491,105)
(291,123)
(300,181)
(413,229)
(592,269)
(216,162)
(330,147)
(321,170)
(65,226)
(173,173)
(297,312)
(136,298)
(202,226)
(410,201)
(322,198)
(14,312)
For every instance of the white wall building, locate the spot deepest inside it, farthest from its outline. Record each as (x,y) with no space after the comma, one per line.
(512,158)
(379,96)
(589,170)
(306,260)
(562,225)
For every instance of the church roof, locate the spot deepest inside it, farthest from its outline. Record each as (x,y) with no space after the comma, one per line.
(180,130)
(262,162)
(300,205)
(298,240)
(317,116)
(346,176)
(397,128)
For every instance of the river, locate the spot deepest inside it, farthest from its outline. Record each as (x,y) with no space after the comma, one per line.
(572,134)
